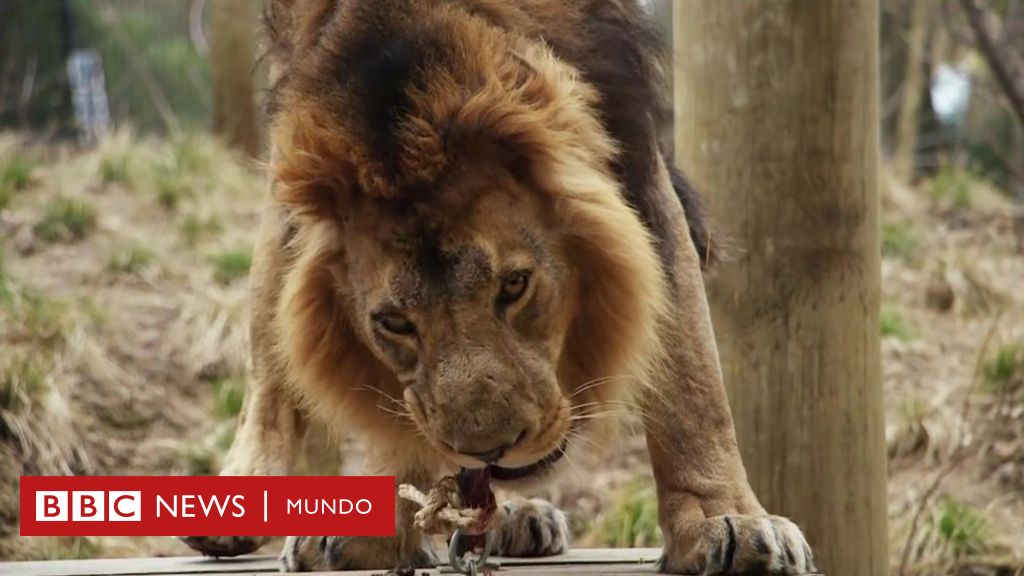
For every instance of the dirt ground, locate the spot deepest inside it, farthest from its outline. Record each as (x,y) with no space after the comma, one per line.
(123,336)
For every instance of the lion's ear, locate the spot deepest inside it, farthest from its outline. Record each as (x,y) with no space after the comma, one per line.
(296,24)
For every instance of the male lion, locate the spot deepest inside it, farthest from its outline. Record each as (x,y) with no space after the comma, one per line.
(473,248)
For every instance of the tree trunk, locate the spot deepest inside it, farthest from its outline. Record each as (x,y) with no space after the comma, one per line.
(232,53)
(913,86)
(777,122)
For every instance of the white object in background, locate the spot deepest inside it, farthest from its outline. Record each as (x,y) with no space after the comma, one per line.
(89,94)
(951,94)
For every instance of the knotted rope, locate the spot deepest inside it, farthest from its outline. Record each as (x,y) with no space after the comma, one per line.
(463,506)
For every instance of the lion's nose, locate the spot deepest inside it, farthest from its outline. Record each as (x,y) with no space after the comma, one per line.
(489,455)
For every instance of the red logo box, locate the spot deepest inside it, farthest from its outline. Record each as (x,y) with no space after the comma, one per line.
(207,505)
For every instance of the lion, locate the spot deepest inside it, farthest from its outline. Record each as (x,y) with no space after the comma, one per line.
(473,247)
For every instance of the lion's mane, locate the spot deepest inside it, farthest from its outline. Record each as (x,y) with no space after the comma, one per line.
(376,99)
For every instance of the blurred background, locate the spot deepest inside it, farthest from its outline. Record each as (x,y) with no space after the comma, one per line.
(130,187)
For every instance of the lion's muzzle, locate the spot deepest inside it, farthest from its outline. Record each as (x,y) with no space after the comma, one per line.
(481,421)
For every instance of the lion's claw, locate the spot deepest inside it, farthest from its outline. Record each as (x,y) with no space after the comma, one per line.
(737,544)
(326,553)
(532,528)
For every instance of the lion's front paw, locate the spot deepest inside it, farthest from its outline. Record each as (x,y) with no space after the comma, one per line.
(737,544)
(532,528)
(326,553)
(224,546)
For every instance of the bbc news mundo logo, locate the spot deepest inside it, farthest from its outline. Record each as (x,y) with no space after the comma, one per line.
(207,506)
(89,506)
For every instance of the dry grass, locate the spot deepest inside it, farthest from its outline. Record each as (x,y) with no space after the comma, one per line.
(35,415)
(945,292)
(120,352)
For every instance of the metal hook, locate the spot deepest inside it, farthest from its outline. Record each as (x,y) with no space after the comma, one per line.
(470,566)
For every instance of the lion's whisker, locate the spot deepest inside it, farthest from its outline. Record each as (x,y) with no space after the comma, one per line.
(584,438)
(610,414)
(384,408)
(597,415)
(570,457)
(387,396)
(629,408)
(404,417)
(596,382)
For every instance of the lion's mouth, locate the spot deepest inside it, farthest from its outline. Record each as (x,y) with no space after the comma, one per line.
(510,474)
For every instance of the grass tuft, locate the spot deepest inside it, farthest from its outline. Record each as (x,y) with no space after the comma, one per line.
(132,259)
(894,326)
(124,159)
(231,265)
(195,229)
(953,185)
(22,383)
(67,219)
(15,176)
(116,168)
(230,394)
(189,155)
(172,187)
(35,317)
(631,521)
(961,530)
(899,240)
(45,319)
(1005,368)
(16,173)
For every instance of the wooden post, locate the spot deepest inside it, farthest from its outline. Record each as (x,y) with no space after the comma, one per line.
(233,55)
(777,123)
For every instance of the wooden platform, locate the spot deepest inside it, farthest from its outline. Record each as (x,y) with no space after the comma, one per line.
(578,562)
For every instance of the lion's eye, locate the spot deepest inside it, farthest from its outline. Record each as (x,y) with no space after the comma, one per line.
(395,323)
(514,287)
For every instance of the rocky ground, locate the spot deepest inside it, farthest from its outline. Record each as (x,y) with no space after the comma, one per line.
(123,348)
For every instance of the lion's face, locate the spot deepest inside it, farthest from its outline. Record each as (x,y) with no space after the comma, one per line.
(462,246)
(468,304)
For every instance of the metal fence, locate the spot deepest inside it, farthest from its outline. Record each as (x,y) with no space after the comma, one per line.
(153,57)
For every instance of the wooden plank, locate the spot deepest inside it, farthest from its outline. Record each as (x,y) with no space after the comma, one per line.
(581,562)
(591,556)
(265,564)
(572,569)
(141,566)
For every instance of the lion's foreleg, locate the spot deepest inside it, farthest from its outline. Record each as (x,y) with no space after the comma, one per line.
(712,521)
